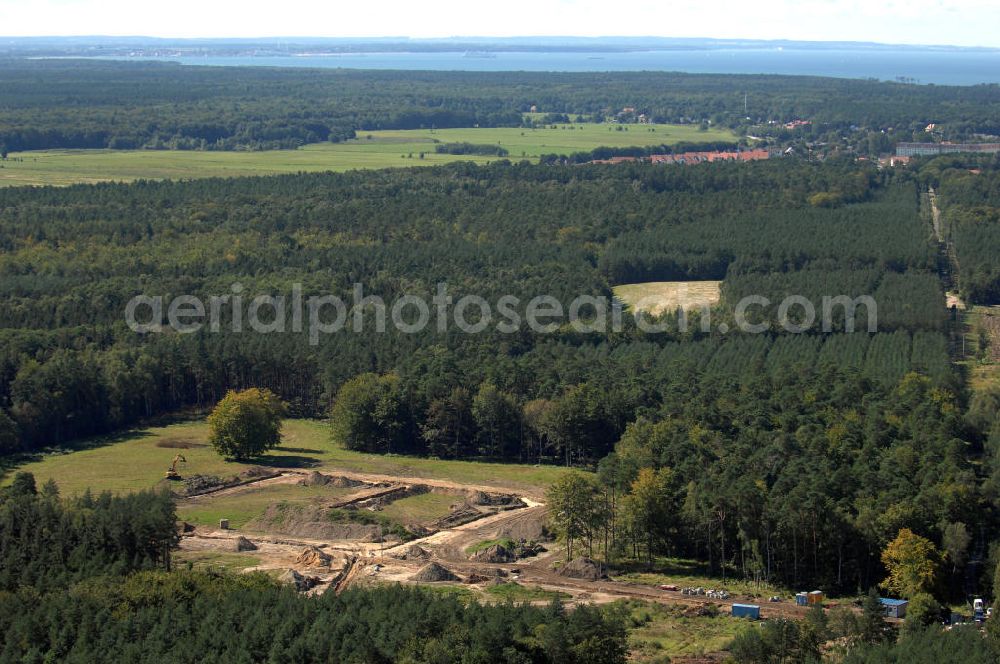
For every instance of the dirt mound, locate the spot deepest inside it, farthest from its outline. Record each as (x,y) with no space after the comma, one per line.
(491,577)
(495,553)
(412,552)
(492,571)
(256,472)
(583,568)
(476,497)
(314,557)
(201,483)
(432,572)
(341,482)
(198,484)
(301,582)
(317,478)
(482,498)
(529,527)
(243,544)
(312,522)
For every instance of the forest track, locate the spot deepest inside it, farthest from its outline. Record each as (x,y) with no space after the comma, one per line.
(948,267)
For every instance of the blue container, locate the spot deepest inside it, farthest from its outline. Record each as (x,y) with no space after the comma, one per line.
(801,599)
(894,608)
(746,611)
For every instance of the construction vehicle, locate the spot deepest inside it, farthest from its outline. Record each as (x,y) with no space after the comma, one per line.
(172,473)
(978,610)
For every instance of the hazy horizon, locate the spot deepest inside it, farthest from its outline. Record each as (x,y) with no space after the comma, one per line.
(962,23)
(506,40)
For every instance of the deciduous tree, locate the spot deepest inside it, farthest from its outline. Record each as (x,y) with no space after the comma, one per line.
(912,562)
(246,424)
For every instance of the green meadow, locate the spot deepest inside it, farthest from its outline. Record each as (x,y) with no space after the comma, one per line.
(370,150)
(138,459)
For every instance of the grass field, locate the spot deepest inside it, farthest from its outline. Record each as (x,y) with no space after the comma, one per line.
(214,560)
(137,460)
(656,297)
(515,592)
(420,509)
(660,631)
(244,507)
(376,149)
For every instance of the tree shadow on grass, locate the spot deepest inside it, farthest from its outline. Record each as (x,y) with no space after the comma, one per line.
(298,450)
(668,566)
(12,463)
(285,461)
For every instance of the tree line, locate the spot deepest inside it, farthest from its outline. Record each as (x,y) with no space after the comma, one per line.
(126,105)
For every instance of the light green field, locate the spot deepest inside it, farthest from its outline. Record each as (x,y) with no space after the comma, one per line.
(214,560)
(384,149)
(656,297)
(563,139)
(133,461)
(515,592)
(246,506)
(422,508)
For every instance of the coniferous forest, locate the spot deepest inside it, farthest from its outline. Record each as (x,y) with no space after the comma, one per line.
(817,446)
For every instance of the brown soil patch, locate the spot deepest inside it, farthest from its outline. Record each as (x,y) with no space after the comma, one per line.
(312,522)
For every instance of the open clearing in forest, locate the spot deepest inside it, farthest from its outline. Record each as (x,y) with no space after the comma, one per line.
(657,297)
(137,460)
(373,149)
(677,631)
(343,528)
(982,323)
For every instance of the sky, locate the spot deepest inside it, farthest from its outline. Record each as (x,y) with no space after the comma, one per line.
(953,22)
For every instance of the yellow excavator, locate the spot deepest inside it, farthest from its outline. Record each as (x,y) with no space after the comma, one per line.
(172,473)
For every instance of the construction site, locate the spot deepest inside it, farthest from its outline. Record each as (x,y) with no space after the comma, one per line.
(479,538)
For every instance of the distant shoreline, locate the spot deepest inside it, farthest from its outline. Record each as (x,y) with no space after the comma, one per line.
(909,65)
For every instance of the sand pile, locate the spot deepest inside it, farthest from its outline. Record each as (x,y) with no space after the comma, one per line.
(314,557)
(432,572)
(413,552)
